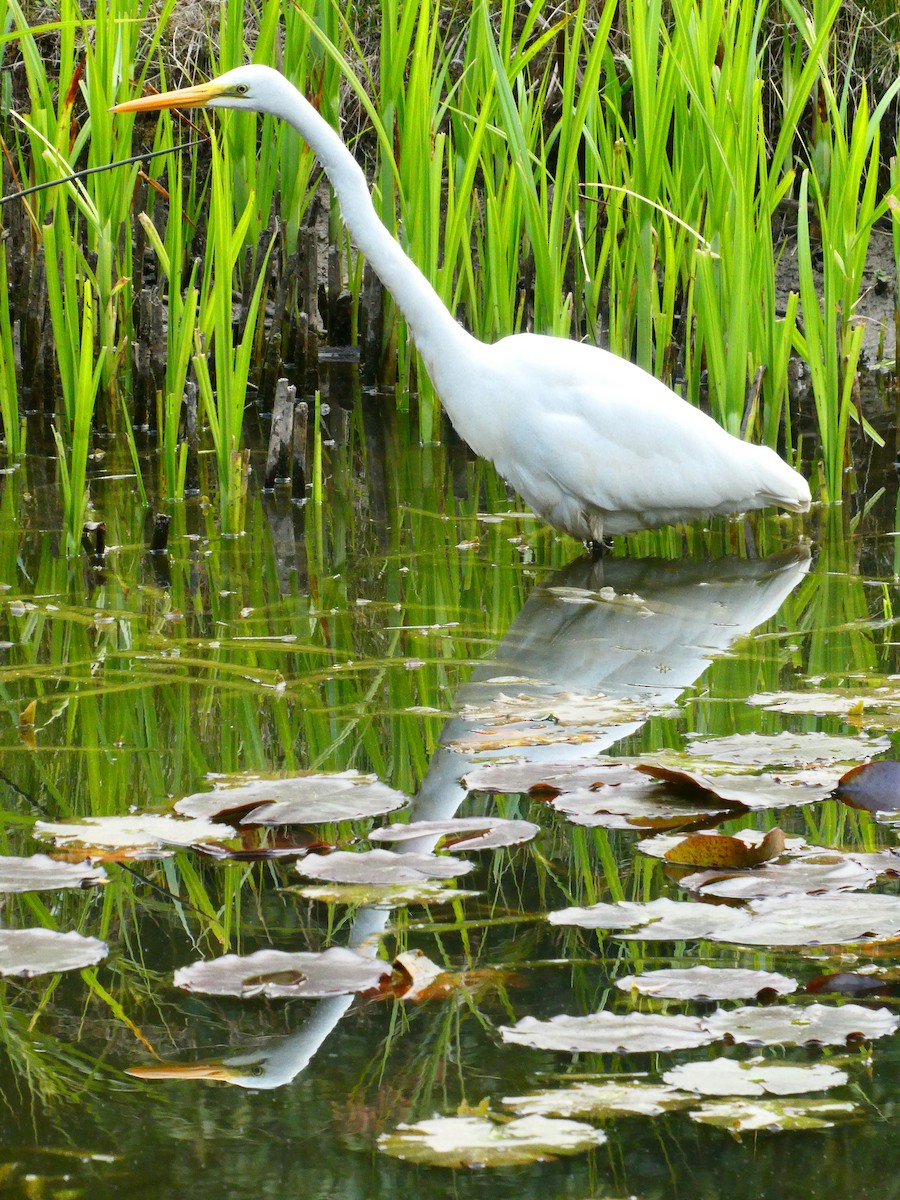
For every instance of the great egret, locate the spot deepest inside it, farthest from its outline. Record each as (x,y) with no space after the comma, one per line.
(592,443)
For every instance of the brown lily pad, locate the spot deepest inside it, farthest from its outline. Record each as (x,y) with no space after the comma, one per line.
(719,850)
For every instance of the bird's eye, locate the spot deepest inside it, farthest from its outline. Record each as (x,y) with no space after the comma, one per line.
(241,89)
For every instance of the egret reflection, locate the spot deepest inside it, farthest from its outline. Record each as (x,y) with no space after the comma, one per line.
(627,632)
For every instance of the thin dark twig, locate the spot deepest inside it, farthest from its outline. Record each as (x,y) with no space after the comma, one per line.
(122,162)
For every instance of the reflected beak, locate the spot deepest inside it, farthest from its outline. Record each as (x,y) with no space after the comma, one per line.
(197,1070)
(189,97)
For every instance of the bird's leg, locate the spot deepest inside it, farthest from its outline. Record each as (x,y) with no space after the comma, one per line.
(599,549)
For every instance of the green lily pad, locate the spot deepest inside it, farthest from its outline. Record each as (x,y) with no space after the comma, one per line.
(482,1142)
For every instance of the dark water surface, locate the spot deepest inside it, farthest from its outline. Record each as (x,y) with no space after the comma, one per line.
(412,627)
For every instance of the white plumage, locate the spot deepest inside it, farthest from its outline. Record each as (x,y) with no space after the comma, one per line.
(595,445)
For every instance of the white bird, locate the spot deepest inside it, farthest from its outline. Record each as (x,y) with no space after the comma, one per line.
(594,444)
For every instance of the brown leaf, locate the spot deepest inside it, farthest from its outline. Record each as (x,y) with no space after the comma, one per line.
(719,850)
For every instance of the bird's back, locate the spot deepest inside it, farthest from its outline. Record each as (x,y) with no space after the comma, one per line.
(595,444)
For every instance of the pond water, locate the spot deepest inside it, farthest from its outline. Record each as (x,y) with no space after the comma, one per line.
(415,628)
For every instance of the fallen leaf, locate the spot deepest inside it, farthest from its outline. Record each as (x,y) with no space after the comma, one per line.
(718,850)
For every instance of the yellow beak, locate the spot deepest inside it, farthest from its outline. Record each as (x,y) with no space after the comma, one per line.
(189,97)
(197,1070)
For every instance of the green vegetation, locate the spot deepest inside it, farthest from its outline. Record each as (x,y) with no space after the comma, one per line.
(637,174)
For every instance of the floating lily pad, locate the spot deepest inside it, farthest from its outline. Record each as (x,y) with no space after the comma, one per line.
(380,867)
(462,833)
(834,874)
(719,850)
(772,1116)
(295,800)
(611,1098)
(562,708)
(834,703)
(658,920)
(279,975)
(792,920)
(136,831)
(786,749)
(609,1033)
(828,919)
(706,983)
(759,1077)
(40,873)
(509,779)
(481,1142)
(626,798)
(793,1025)
(42,951)
(664,844)
(376,895)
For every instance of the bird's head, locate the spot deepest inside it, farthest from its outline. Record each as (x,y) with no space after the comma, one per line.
(254,88)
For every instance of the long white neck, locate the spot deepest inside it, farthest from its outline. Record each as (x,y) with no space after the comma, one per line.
(437,335)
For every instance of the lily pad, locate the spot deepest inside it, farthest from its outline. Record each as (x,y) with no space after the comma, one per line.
(662,845)
(626,798)
(706,983)
(793,1025)
(835,703)
(462,833)
(30,952)
(609,1033)
(40,873)
(380,867)
(759,1077)
(772,1116)
(136,831)
(834,874)
(562,708)
(612,1098)
(786,749)
(657,920)
(425,891)
(481,1142)
(719,850)
(295,800)
(279,975)
(828,919)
